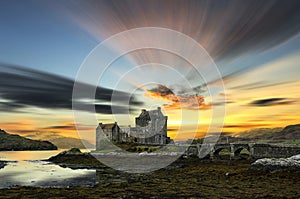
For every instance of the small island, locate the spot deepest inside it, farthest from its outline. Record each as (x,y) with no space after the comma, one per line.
(10,142)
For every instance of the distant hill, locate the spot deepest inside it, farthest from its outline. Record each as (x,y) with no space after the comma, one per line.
(68,142)
(60,141)
(290,132)
(10,142)
(261,133)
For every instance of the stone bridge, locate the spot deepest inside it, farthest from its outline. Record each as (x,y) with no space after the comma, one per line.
(234,149)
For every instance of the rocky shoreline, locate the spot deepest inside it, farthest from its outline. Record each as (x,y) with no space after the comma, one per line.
(75,159)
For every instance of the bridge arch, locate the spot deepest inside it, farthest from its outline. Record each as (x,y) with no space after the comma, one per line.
(242,152)
(217,152)
(222,152)
(253,150)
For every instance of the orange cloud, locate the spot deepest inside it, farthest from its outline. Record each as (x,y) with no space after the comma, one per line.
(176,102)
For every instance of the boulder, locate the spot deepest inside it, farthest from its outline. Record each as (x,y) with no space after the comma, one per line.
(275,164)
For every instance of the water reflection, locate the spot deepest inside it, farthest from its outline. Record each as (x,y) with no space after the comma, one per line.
(25,168)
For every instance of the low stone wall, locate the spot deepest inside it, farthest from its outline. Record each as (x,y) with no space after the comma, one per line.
(273,151)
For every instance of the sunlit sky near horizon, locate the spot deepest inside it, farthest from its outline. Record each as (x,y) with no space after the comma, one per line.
(254,44)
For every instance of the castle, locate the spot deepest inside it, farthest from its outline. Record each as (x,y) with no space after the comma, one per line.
(151,129)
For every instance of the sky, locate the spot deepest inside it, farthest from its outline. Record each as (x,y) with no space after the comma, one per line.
(255,46)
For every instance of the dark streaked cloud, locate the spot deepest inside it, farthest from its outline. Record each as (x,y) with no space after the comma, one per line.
(22,87)
(272,102)
(173,129)
(222,103)
(63,127)
(260,84)
(224,27)
(228,30)
(11,107)
(246,126)
(20,132)
(67,126)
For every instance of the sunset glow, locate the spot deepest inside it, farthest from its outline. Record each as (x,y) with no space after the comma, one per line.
(259,66)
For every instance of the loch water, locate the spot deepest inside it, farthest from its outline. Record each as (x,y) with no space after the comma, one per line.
(30,168)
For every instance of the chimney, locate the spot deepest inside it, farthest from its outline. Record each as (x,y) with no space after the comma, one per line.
(159,109)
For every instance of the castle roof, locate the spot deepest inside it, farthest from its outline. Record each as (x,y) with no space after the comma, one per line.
(108,126)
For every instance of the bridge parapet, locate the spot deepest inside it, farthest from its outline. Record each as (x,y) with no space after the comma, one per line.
(274,151)
(255,150)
